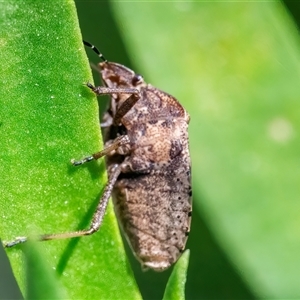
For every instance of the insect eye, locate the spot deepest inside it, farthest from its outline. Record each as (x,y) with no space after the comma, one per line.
(137,79)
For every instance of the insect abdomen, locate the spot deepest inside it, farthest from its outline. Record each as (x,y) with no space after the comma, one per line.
(154,212)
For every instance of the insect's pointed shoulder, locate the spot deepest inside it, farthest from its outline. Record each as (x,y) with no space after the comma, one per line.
(164,100)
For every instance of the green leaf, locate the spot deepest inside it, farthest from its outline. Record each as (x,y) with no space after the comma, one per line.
(176,284)
(47,117)
(235,67)
(40,280)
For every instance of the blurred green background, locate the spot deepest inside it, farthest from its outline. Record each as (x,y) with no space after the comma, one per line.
(235,68)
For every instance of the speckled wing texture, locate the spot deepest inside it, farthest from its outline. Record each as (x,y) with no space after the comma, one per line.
(152,198)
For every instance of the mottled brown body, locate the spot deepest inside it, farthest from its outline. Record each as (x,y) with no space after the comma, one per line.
(148,162)
(152,196)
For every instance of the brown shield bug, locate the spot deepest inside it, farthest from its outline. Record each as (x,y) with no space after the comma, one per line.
(149,167)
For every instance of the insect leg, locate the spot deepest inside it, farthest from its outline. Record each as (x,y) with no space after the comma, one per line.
(120,141)
(101,90)
(126,105)
(97,217)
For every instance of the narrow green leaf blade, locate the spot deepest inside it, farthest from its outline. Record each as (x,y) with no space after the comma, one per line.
(41,282)
(47,117)
(176,285)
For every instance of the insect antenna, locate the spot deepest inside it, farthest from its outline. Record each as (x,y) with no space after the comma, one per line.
(95,49)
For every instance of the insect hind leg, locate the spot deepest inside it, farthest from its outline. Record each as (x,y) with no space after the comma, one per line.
(97,217)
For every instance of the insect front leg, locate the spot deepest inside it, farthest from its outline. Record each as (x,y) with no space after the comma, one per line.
(126,105)
(98,216)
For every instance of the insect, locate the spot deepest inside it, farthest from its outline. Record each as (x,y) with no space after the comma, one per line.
(149,167)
